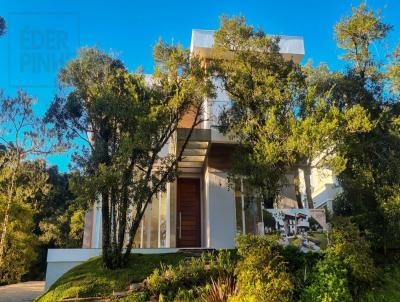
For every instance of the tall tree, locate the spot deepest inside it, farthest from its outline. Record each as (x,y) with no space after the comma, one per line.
(126,120)
(22,138)
(325,120)
(56,211)
(372,175)
(263,87)
(285,117)
(394,70)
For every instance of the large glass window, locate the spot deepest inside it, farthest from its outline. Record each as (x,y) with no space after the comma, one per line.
(163,220)
(154,222)
(248,209)
(152,230)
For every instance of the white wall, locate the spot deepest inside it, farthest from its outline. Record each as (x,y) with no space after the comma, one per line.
(324,187)
(220,211)
(60,261)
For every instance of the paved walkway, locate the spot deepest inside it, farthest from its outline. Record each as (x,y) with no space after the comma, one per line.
(21,292)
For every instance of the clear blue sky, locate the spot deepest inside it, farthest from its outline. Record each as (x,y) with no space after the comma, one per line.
(42,34)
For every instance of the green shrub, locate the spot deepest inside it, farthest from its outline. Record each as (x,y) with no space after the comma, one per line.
(190,278)
(346,270)
(328,282)
(354,252)
(388,287)
(300,265)
(261,271)
(135,297)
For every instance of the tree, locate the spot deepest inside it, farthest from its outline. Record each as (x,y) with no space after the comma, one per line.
(372,174)
(355,34)
(126,120)
(394,70)
(285,117)
(324,122)
(263,88)
(22,179)
(57,210)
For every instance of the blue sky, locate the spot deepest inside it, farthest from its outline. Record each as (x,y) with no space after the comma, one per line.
(43,34)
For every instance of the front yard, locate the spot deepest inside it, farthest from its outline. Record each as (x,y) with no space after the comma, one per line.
(91,279)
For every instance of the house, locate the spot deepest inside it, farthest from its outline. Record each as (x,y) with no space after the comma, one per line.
(200,209)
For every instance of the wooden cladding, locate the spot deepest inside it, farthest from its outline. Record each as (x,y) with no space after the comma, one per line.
(188,219)
(220,157)
(188,119)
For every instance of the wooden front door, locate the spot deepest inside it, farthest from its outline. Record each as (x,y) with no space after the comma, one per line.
(188,224)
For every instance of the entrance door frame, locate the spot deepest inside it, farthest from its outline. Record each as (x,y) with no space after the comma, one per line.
(201,201)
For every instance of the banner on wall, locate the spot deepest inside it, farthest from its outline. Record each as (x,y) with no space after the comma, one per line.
(305,228)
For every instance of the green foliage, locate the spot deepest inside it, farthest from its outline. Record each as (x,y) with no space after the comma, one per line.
(300,265)
(328,283)
(349,247)
(325,122)
(92,279)
(136,297)
(59,217)
(371,178)
(346,270)
(20,245)
(387,288)
(23,181)
(191,277)
(126,120)
(394,70)
(356,32)
(261,271)
(263,88)
(283,116)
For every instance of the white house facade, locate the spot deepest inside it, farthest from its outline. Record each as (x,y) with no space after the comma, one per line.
(201,209)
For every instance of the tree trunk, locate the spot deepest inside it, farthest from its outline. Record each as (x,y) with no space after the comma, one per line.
(135,226)
(297,190)
(132,233)
(105,219)
(123,211)
(307,183)
(4,229)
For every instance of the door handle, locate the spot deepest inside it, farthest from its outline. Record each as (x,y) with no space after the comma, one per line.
(180,225)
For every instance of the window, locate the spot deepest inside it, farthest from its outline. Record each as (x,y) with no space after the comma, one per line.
(248,209)
(153,227)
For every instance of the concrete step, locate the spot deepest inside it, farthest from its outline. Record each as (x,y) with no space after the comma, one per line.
(190,164)
(196,145)
(193,158)
(194,152)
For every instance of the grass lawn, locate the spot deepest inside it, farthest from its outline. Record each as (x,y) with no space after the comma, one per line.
(91,279)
